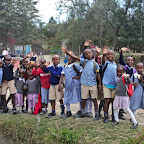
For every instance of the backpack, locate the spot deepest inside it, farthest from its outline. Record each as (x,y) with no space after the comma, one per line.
(129,88)
(95,65)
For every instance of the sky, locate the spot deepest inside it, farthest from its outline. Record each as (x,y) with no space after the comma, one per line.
(47,8)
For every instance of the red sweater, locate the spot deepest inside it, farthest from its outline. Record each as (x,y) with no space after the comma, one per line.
(44,77)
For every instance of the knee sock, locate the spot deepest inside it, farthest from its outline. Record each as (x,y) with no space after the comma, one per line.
(101,105)
(68,107)
(62,108)
(131,115)
(116,114)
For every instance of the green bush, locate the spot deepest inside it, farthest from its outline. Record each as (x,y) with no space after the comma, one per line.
(136,140)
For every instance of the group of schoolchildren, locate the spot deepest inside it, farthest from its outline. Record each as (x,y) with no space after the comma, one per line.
(96,78)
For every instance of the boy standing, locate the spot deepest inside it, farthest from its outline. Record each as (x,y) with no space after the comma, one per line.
(8,83)
(55,71)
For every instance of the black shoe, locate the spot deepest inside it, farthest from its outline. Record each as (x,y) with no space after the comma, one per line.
(114,123)
(52,114)
(122,118)
(123,111)
(14,111)
(25,111)
(68,114)
(81,116)
(88,114)
(77,114)
(113,119)
(5,110)
(106,120)
(130,121)
(134,126)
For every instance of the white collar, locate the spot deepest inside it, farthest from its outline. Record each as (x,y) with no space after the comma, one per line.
(129,67)
(57,66)
(22,79)
(70,65)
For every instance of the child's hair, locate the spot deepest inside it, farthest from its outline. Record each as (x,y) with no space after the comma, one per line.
(7,57)
(140,63)
(56,56)
(121,66)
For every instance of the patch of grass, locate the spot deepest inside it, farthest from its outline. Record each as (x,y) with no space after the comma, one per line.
(29,129)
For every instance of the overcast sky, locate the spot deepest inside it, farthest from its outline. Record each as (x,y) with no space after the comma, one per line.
(47,8)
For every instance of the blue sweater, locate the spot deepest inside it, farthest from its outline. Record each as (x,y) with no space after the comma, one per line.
(1,75)
(55,74)
(8,72)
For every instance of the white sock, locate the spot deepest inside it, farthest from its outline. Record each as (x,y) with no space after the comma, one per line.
(134,112)
(131,115)
(116,114)
(68,107)
(20,108)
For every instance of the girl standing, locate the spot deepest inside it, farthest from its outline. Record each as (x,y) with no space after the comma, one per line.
(33,87)
(72,85)
(121,100)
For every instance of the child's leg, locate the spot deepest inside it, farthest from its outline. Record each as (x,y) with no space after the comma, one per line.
(13,100)
(87,105)
(62,106)
(90,106)
(116,114)
(68,114)
(3,97)
(68,107)
(53,106)
(101,106)
(132,117)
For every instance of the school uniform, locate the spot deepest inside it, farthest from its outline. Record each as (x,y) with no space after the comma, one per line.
(88,79)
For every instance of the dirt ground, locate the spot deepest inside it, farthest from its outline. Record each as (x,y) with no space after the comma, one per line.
(75,107)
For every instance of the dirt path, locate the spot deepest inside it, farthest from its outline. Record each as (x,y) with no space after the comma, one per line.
(5,140)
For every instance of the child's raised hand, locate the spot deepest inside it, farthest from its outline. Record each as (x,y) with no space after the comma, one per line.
(87,42)
(38,64)
(29,55)
(124,49)
(63,49)
(105,50)
(98,49)
(47,63)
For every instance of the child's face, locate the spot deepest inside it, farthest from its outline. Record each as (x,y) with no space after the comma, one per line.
(21,73)
(30,76)
(56,60)
(129,61)
(120,71)
(140,68)
(100,59)
(7,60)
(70,60)
(42,62)
(1,63)
(110,56)
(25,63)
(94,52)
(88,54)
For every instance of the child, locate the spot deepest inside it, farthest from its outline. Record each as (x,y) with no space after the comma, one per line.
(1,76)
(137,100)
(54,94)
(129,70)
(32,85)
(45,84)
(72,85)
(19,83)
(121,100)
(8,83)
(109,81)
(129,63)
(88,80)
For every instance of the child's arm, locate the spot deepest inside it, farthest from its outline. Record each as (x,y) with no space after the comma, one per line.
(63,49)
(56,73)
(60,82)
(99,79)
(98,51)
(141,79)
(46,69)
(13,62)
(105,51)
(78,77)
(121,59)
(28,56)
(25,86)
